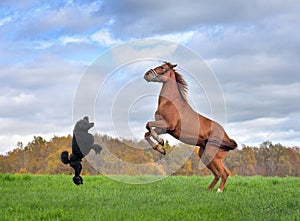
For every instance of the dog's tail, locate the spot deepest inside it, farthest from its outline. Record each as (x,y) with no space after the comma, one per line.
(64,156)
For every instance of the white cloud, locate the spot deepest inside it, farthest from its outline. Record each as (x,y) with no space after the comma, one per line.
(5,20)
(13,100)
(40,45)
(165,52)
(157,17)
(73,39)
(253,132)
(104,38)
(180,38)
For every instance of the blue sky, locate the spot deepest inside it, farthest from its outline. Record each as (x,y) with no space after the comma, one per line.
(253,47)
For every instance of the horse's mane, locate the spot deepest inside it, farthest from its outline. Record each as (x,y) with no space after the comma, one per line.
(182,85)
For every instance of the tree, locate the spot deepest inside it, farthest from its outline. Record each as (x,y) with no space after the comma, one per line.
(40,156)
(248,165)
(272,155)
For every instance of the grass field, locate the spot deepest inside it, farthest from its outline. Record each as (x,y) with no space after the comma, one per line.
(30,197)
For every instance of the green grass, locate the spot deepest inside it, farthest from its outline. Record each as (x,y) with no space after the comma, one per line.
(30,197)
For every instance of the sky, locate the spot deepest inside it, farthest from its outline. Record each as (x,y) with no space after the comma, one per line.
(47,48)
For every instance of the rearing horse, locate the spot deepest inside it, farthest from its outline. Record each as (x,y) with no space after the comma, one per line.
(176,117)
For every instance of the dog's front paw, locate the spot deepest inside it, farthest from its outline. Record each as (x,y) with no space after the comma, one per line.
(97,148)
(77,180)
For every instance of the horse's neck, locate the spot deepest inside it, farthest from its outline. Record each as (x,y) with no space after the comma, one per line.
(169,92)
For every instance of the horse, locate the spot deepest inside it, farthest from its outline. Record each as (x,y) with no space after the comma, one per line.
(176,117)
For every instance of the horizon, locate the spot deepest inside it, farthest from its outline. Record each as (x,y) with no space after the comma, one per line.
(251,49)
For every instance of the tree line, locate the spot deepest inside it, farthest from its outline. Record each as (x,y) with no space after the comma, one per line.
(132,157)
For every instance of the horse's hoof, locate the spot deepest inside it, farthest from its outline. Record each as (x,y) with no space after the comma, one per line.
(219,190)
(161,142)
(160,149)
(163,151)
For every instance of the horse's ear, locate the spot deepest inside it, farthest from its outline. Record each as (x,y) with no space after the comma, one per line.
(170,65)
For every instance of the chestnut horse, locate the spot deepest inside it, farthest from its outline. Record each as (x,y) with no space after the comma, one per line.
(176,117)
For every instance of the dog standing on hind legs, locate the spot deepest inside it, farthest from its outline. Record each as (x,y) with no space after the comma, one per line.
(82,143)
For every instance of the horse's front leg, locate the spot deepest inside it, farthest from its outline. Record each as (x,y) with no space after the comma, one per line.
(160,128)
(156,147)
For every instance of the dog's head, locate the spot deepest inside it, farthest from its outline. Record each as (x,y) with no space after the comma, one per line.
(83,125)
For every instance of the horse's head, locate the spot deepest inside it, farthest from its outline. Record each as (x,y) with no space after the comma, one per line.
(160,73)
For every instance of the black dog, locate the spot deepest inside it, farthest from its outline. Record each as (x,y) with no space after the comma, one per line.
(82,143)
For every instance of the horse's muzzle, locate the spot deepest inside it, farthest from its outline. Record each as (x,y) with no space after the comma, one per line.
(148,77)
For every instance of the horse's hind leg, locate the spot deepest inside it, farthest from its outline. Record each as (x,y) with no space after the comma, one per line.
(207,157)
(218,169)
(224,175)
(216,173)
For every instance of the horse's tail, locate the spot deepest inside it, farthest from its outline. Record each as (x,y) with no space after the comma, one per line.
(64,156)
(229,145)
(224,144)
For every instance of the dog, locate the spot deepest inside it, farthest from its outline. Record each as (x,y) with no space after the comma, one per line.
(82,143)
